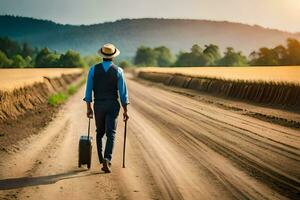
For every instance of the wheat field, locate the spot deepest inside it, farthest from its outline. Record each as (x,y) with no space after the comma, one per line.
(284,74)
(15,78)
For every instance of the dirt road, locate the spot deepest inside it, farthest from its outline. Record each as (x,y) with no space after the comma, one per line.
(178,148)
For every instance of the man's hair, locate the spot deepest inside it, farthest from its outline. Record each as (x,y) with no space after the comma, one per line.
(107,59)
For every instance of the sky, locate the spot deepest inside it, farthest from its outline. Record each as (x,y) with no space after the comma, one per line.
(278,14)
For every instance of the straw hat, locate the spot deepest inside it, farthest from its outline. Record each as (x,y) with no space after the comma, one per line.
(108,51)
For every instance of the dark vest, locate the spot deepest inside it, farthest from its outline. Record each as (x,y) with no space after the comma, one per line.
(105,85)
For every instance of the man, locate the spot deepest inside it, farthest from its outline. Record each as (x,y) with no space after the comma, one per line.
(106,80)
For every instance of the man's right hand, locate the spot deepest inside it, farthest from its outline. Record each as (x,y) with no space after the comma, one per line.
(125,116)
(89,113)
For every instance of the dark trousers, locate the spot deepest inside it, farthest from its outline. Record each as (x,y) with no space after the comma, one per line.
(106,114)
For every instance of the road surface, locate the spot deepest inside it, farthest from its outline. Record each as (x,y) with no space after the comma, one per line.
(178,148)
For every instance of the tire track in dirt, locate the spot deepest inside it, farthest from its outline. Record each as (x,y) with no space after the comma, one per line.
(237,129)
(208,169)
(290,185)
(175,175)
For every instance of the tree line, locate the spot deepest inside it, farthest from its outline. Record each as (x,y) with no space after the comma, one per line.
(14,55)
(210,56)
(18,55)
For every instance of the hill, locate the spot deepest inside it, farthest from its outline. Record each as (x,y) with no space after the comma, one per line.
(128,34)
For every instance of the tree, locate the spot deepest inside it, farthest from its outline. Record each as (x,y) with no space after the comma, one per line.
(19,61)
(40,59)
(164,56)
(293,51)
(282,55)
(52,60)
(196,49)
(232,58)
(9,47)
(4,61)
(14,54)
(28,60)
(145,56)
(265,57)
(70,59)
(124,64)
(194,58)
(184,59)
(279,55)
(212,54)
(27,50)
(45,59)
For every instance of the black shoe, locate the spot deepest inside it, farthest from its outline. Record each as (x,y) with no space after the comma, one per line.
(106,166)
(101,160)
(103,167)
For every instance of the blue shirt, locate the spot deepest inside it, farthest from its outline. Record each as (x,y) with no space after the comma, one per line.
(122,88)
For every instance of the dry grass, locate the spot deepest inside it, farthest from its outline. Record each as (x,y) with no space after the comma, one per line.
(15,78)
(261,74)
(19,101)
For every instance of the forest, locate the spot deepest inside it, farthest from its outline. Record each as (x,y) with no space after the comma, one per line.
(210,55)
(14,54)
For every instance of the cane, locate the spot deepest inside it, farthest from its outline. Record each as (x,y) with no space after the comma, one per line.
(124,147)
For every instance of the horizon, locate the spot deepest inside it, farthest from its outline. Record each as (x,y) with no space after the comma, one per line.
(115,20)
(282,15)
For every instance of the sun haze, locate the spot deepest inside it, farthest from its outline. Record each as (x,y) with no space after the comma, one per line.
(279,14)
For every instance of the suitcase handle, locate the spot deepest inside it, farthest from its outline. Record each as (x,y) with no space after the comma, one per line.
(89,127)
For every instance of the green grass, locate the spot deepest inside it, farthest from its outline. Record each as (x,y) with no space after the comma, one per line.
(72,90)
(57,99)
(61,97)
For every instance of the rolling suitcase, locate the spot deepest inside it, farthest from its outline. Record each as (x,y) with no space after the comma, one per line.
(85,149)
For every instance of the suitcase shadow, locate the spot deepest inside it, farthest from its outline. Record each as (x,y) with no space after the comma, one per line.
(14,183)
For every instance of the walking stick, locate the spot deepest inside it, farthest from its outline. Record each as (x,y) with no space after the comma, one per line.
(124,147)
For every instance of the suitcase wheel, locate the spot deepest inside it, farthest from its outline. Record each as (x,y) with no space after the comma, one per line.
(89,165)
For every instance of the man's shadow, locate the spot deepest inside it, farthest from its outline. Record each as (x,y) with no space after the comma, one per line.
(14,183)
